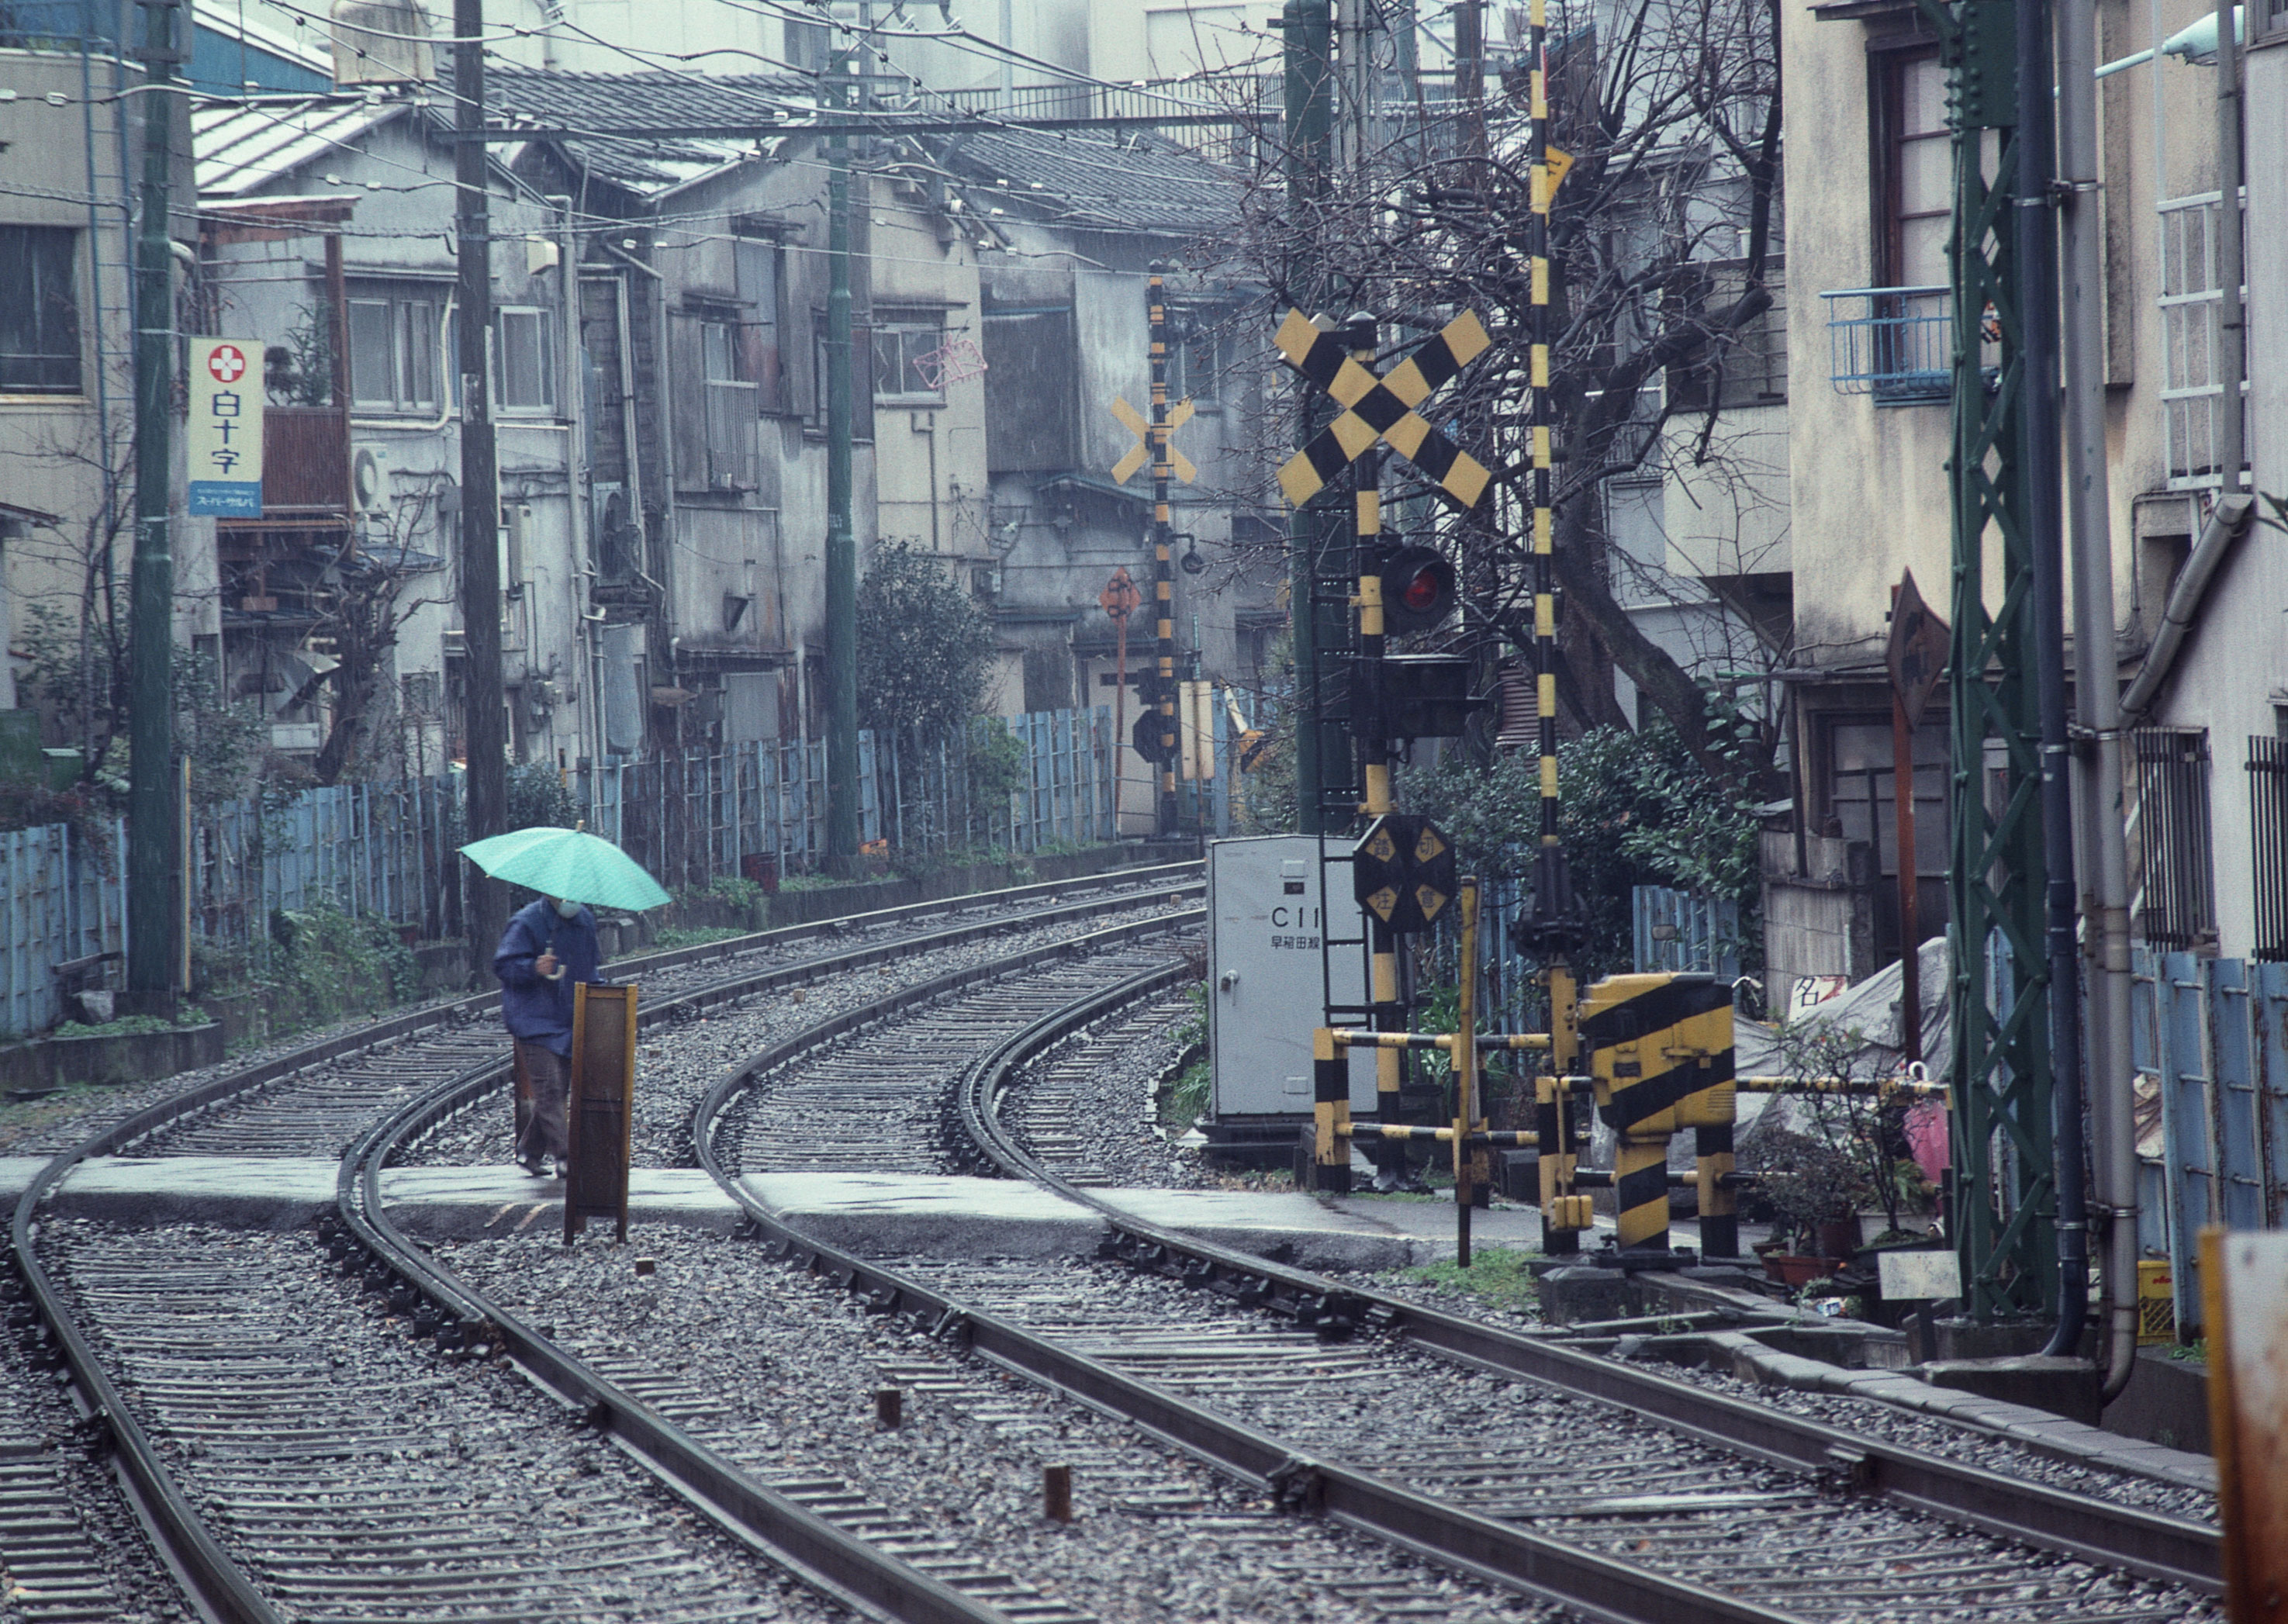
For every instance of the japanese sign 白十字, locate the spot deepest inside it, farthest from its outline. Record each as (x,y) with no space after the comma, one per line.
(223,437)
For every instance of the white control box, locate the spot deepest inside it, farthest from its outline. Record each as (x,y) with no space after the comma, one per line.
(1266,995)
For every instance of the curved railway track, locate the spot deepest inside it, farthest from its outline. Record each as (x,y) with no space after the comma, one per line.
(142,1339)
(1752,1517)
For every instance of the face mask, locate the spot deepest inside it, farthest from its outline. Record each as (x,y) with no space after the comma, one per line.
(566,908)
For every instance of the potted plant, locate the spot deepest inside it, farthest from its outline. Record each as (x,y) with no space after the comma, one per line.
(1813,1189)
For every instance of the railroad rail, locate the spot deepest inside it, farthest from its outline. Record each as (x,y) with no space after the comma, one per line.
(217,1581)
(2169,1550)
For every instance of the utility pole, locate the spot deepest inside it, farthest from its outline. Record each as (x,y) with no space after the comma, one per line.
(1164,576)
(1309,93)
(841,544)
(482,697)
(152,823)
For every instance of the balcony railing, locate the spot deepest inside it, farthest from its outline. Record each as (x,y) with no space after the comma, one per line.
(1894,344)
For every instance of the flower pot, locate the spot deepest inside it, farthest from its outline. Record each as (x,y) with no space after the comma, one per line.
(1788,1268)
(1839,1238)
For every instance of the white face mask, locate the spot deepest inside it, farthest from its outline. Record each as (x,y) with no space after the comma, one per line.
(566,908)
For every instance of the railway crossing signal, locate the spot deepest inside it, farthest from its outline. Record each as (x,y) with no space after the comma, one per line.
(1418,590)
(1382,409)
(1141,453)
(1402,871)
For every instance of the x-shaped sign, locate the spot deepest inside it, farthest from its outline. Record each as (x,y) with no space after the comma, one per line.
(1141,453)
(1382,409)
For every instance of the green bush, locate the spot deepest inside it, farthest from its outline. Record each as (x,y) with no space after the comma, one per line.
(331,964)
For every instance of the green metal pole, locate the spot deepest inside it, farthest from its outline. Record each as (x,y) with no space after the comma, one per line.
(1308,28)
(153,827)
(2003,1195)
(841,544)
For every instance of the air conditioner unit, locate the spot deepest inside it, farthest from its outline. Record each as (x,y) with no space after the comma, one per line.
(370,482)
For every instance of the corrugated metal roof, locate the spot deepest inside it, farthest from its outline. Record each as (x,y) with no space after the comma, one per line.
(239,145)
(571,101)
(1143,183)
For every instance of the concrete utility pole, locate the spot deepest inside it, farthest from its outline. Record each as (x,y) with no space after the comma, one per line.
(483,718)
(841,544)
(152,824)
(1309,93)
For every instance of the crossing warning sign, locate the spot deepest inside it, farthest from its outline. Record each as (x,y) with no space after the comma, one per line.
(1402,871)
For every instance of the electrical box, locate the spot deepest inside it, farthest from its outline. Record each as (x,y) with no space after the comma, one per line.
(1265,916)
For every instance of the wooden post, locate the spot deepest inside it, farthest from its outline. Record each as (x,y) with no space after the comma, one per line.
(2244,1299)
(597,1114)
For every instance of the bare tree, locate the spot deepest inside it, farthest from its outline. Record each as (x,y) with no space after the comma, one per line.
(1663,270)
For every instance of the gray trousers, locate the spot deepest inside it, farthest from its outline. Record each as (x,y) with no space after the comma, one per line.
(540,1131)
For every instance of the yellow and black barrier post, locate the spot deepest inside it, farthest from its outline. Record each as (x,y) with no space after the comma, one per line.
(1660,1052)
(1331,1111)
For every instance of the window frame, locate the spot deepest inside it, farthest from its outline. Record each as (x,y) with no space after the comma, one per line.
(902,324)
(72,360)
(2176,901)
(544,361)
(400,396)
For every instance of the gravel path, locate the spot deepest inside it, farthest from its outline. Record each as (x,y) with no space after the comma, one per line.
(790,1366)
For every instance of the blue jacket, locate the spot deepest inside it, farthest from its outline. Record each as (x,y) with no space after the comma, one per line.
(536,1008)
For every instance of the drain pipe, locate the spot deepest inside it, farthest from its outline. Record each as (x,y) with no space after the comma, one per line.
(2227,520)
(2108,1077)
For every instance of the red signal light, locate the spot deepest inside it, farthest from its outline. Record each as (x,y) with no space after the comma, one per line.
(1418,590)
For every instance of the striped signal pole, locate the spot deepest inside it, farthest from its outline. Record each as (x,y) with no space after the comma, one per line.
(1163,578)
(1552,930)
(1371,728)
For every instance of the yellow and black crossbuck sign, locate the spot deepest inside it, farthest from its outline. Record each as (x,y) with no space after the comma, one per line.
(1402,871)
(1382,409)
(1141,453)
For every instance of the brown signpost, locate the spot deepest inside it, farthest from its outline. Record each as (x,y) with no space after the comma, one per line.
(599,1124)
(2245,1302)
(1917,657)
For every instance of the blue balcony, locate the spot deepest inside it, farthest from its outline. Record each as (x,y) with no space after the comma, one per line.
(1894,344)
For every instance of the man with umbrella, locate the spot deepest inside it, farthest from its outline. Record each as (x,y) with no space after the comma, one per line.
(549,948)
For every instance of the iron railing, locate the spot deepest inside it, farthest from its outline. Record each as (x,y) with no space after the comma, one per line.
(2267,795)
(2177,908)
(1894,344)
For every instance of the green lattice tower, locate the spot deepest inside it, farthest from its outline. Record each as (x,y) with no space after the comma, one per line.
(2003,1196)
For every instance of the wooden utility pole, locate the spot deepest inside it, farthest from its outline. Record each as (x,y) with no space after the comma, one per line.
(841,542)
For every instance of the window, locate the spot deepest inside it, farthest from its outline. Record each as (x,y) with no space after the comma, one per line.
(524,360)
(2177,904)
(2268,794)
(395,359)
(759,269)
(906,343)
(1197,360)
(730,402)
(39,311)
(1749,367)
(1915,196)
(2192,300)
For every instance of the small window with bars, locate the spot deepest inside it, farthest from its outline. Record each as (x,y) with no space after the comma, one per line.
(2177,903)
(2268,796)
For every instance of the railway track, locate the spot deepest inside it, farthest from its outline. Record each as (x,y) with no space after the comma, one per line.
(1180,1346)
(139,1359)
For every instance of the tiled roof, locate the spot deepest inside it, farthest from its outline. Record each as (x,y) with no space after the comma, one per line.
(239,145)
(1140,183)
(574,102)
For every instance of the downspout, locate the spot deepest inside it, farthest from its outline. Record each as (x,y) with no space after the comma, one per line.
(2227,520)
(573,380)
(663,389)
(2108,1077)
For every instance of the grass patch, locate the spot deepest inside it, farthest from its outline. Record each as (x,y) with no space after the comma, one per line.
(698,937)
(1496,1274)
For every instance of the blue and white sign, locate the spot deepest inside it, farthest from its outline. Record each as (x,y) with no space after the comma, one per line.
(224,436)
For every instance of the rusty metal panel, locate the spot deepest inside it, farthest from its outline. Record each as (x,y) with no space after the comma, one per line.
(2246,1292)
(598,1123)
(304,459)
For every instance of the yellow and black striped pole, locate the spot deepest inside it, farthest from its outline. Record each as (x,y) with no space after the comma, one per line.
(1372,727)
(1331,1112)
(1163,578)
(1553,933)
(1470,1162)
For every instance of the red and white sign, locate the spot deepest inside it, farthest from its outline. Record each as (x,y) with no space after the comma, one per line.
(222,434)
(226,363)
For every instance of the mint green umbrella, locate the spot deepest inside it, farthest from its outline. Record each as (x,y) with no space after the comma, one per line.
(568,863)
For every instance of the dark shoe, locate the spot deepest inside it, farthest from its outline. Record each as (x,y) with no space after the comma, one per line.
(537,1166)
(563,1167)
